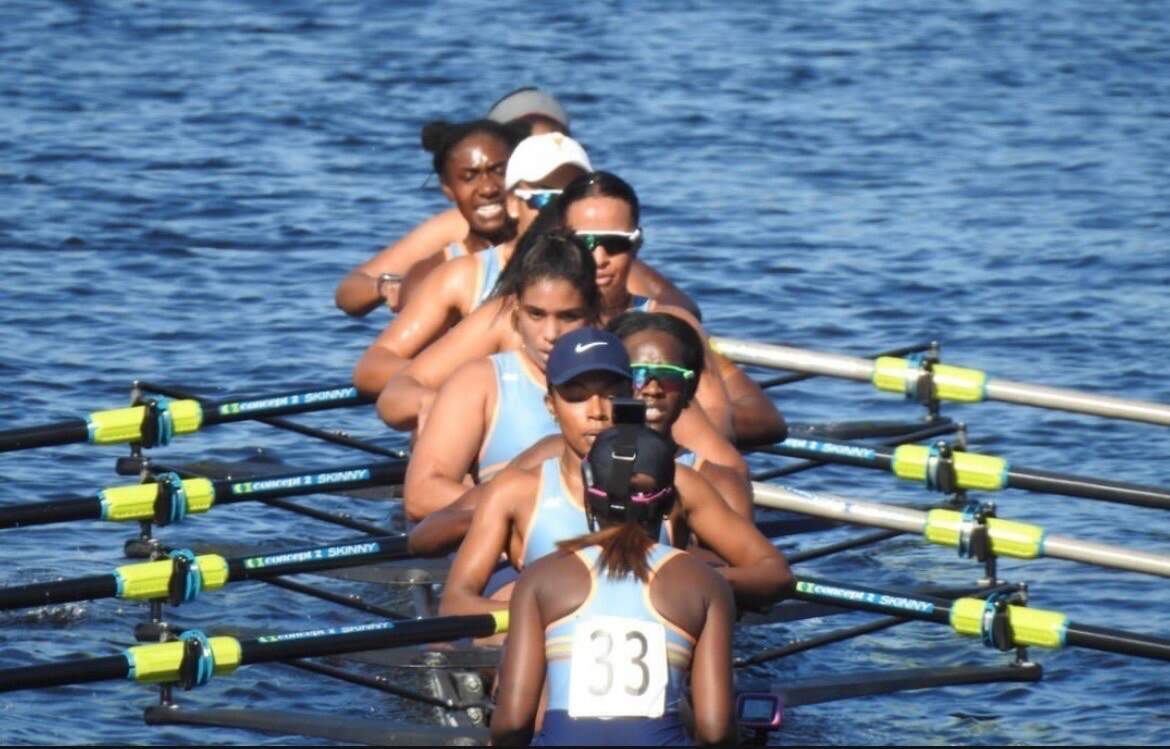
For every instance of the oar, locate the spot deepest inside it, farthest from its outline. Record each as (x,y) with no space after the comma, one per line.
(156,421)
(184,575)
(193,660)
(949,383)
(997,621)
(170,500)
(950,528)
(968,471)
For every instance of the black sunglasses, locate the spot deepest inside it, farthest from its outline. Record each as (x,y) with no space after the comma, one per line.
(615,242)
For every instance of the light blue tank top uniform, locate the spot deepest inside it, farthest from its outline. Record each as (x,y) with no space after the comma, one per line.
(454,250)
(555,518)
(488,265)
(627,598)
(686,458)
(520,418)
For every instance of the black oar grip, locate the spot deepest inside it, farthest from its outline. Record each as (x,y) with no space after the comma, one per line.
(61,433)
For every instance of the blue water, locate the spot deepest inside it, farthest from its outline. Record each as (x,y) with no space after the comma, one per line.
(183,184)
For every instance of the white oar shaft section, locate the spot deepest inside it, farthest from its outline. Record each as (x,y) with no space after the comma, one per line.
(771,355)
(1075,401)
(946,527)
(951,383)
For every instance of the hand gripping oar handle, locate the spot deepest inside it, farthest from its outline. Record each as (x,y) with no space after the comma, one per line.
(949,383)
(158,419)
(170,662)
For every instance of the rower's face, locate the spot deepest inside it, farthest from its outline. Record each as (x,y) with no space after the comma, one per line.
(545,311)
(657,347)
(583,407)
(523,212)
(473,179)
(601,214)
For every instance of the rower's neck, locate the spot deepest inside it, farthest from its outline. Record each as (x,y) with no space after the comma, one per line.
(610,310)
(570,466)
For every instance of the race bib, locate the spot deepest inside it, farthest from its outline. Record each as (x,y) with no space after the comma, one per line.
(618,669)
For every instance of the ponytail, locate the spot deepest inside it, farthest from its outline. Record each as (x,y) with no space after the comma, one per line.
(623,549)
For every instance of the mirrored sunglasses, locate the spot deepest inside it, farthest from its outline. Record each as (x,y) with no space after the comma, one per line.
(614,242)
(536,199)
(670,378)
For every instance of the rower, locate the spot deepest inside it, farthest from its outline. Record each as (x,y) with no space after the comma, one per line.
(374,283)
(469,158)
(525,511)
(537,171)
(492,408)
(574,614)
(603,210)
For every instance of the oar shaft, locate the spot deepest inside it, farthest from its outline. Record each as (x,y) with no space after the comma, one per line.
(1061,399)
(389,634)
(59,591)
(313,559)
(48,435)
(774,356)
(60,510)
(1027,626)
(945,527)
(82,671)
(137,501)
(1105,555)
(972,471)
(1117,641)
(224,412)
(963,385)
(1047,482)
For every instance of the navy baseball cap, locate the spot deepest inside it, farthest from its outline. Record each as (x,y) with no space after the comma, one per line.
(587,350)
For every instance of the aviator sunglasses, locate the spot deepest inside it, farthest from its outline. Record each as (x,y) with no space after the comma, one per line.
(615,242)
(536,199)
(670,378)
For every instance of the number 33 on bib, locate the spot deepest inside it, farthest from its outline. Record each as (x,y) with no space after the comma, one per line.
(618,669)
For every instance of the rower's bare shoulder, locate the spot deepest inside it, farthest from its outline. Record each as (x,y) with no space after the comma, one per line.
(510,489)
(683,314)
(536,454)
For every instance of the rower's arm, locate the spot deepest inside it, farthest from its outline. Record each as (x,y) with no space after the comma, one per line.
(694,431)
(755,417)
(442,532)
(435,308)
(712,690)
(409,394)
(449,441)
(486,540)
(757,571)
(522,669)
(645,281)
(357,294)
